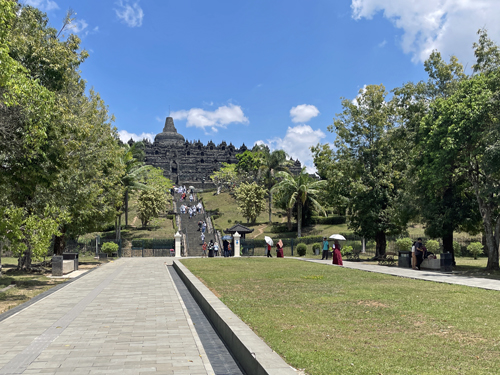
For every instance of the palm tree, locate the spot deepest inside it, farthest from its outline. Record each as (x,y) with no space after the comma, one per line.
(298,190)
(135,170)
(272,162)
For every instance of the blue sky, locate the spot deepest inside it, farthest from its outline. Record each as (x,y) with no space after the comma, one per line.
(268,71)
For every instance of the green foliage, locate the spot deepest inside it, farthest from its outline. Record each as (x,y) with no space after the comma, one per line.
(109,248)
(330,220)
(316,246)
(297,190)
(345,250)
(457,248)
(251,200)
(404,244)
(475,248)
(301,249)
(225,178)
(367,172)
(432,246)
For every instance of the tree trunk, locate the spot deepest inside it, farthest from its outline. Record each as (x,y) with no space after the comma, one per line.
(448,245)
(118,227)
(381,244)
(289,219)
(491,243)
(60,242)
(126,207)
(24,262)
(270,206)
(299,219)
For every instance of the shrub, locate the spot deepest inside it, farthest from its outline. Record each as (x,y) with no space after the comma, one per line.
(404,244)
(301,249)
(109,247)
(345,250)
(229,221)
(475,248)
(432,246)
(315,247)
(332,220)
(457,248)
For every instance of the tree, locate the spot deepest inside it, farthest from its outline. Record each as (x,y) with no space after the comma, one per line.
(370,171)
(447,207)
(251,200)
(461,133)
(224,177)
(298,190)
(153,200)
(249,164)
(271,163)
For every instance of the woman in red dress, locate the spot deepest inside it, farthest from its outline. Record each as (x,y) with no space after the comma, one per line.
(279,249)
(337,256)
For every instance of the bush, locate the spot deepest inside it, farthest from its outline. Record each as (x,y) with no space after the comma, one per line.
(345,250)
(316,246)
(432,246)
(109,248)
(301,249)
(229,221)
(333,220)
(457,249)
(475,248)
(404,244)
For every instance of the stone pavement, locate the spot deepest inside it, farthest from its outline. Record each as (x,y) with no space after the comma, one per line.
(124,317)
(436,276)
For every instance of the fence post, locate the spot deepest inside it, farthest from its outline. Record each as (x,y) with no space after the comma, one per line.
(142,248)
(291,244)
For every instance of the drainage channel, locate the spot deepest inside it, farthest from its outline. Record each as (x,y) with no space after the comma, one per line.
(218,354)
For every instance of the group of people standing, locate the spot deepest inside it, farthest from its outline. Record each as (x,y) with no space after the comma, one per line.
(336,254)
(279,250)
(213,249)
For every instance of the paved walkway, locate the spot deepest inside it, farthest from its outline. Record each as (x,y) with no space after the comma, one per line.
(436,276)
(125,317)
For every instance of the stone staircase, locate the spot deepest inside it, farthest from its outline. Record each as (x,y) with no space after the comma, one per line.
(190,226)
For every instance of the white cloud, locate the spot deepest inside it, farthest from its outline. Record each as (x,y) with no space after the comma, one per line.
(125,136)
(382,44)
(43,5)
(219,118)
(296,143)
(130,14)
(449,26)
(303,113)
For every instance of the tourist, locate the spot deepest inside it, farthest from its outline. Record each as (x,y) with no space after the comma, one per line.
(200,223)
(416,244)
(279,249)
(204,249)
(226,252)
(211,249)
(202,237)
(229,250)
(325,249)
(191,197)
(268,252)
(203,227)
(216,249)
(336,255)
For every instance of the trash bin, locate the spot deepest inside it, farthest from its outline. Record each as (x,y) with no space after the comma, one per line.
(71,256)
(404,259)
(57,265)
(446,262)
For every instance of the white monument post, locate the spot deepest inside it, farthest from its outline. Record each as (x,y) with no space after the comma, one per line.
(177,237)
(237,244)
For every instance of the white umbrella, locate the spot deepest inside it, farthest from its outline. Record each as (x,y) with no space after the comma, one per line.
(191,187)
(337,237)
(269,240)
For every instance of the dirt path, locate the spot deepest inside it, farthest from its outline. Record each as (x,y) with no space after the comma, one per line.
(260,230)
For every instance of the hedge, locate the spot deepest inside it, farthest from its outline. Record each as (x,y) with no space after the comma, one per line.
(332,220)
(152,243)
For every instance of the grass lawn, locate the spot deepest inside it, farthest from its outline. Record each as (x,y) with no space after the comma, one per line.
(332,320)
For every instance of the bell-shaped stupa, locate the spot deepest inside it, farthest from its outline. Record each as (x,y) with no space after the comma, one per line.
(169,135)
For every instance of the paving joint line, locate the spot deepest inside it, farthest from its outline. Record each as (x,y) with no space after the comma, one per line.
(21,361)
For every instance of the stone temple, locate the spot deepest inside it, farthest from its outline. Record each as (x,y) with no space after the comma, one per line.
(191,163)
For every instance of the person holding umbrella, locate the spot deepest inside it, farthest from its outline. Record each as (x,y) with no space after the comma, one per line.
(269,242)
(336,255)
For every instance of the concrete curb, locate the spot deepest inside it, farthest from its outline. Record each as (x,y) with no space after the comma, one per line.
(252,354)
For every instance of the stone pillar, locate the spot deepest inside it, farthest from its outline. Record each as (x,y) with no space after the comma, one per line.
(57,265)
(177,237)
(237,244)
